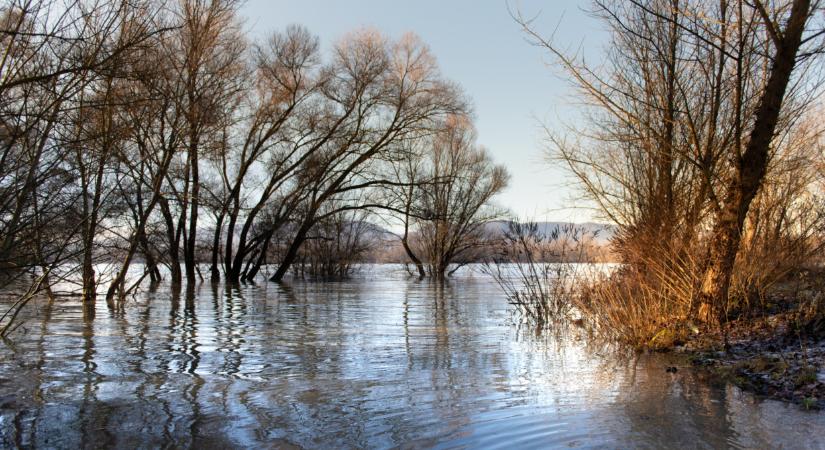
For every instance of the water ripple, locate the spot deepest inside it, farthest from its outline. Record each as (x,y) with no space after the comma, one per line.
(377,362)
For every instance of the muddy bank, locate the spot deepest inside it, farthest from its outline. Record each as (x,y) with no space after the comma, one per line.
(770,356)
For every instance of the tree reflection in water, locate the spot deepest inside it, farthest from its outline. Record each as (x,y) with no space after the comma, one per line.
(378,361)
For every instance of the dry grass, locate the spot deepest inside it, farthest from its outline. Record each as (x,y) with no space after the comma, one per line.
(643,308)
(649,301)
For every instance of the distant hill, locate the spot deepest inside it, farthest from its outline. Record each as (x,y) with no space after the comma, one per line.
(603,232)
(387,247)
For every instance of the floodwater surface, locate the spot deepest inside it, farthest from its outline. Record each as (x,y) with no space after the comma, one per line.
(380,361)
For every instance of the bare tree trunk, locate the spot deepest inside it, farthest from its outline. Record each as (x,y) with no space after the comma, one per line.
(750,169)
(667,153)
(174,248)
(231,263)
(440,269)
(417,261)
(90,230)
(404,239)
(189,243)
(151,263)
(292,252)
(215,273)
(418,264)
(256,267)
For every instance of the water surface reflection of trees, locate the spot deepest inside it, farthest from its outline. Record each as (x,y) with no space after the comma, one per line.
(378,363)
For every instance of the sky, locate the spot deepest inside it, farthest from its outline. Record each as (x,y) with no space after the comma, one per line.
(514,87)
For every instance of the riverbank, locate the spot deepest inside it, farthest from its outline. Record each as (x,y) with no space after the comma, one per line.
(779,354)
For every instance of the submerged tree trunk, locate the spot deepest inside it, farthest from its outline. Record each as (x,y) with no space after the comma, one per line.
(252,271)
(439,270)
(405,243)
(418,264)
(214,272)
(151,263)
(172,237)
(750,169)
(292,252)
(190,242)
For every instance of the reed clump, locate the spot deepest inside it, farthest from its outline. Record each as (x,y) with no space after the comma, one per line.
(652,299)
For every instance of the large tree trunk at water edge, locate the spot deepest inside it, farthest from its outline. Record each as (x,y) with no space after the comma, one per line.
(750,169)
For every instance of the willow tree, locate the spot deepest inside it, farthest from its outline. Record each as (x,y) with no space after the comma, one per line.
(445,191)
(276,114)
(786,25)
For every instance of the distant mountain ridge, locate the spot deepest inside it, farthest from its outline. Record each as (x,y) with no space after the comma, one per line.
(387,245)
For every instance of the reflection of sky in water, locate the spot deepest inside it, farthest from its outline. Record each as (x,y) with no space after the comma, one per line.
(377,362)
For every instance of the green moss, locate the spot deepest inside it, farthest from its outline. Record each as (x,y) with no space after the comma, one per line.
(808,402)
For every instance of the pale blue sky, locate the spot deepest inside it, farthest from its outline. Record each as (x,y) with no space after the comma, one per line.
(478,45)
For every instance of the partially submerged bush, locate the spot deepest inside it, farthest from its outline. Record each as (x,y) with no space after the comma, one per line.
(550,277)
(540,270)
(649,300)
(627,308)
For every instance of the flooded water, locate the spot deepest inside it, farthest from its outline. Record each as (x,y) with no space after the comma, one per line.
(376,362)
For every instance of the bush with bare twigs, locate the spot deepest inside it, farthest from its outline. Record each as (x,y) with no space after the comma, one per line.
(540,272)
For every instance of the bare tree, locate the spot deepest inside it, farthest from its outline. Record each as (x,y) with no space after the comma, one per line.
(751,165)
(690,92)
(270,141)
(378,94)
(463,180)
(60,59)
(210,50)
(143,130)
